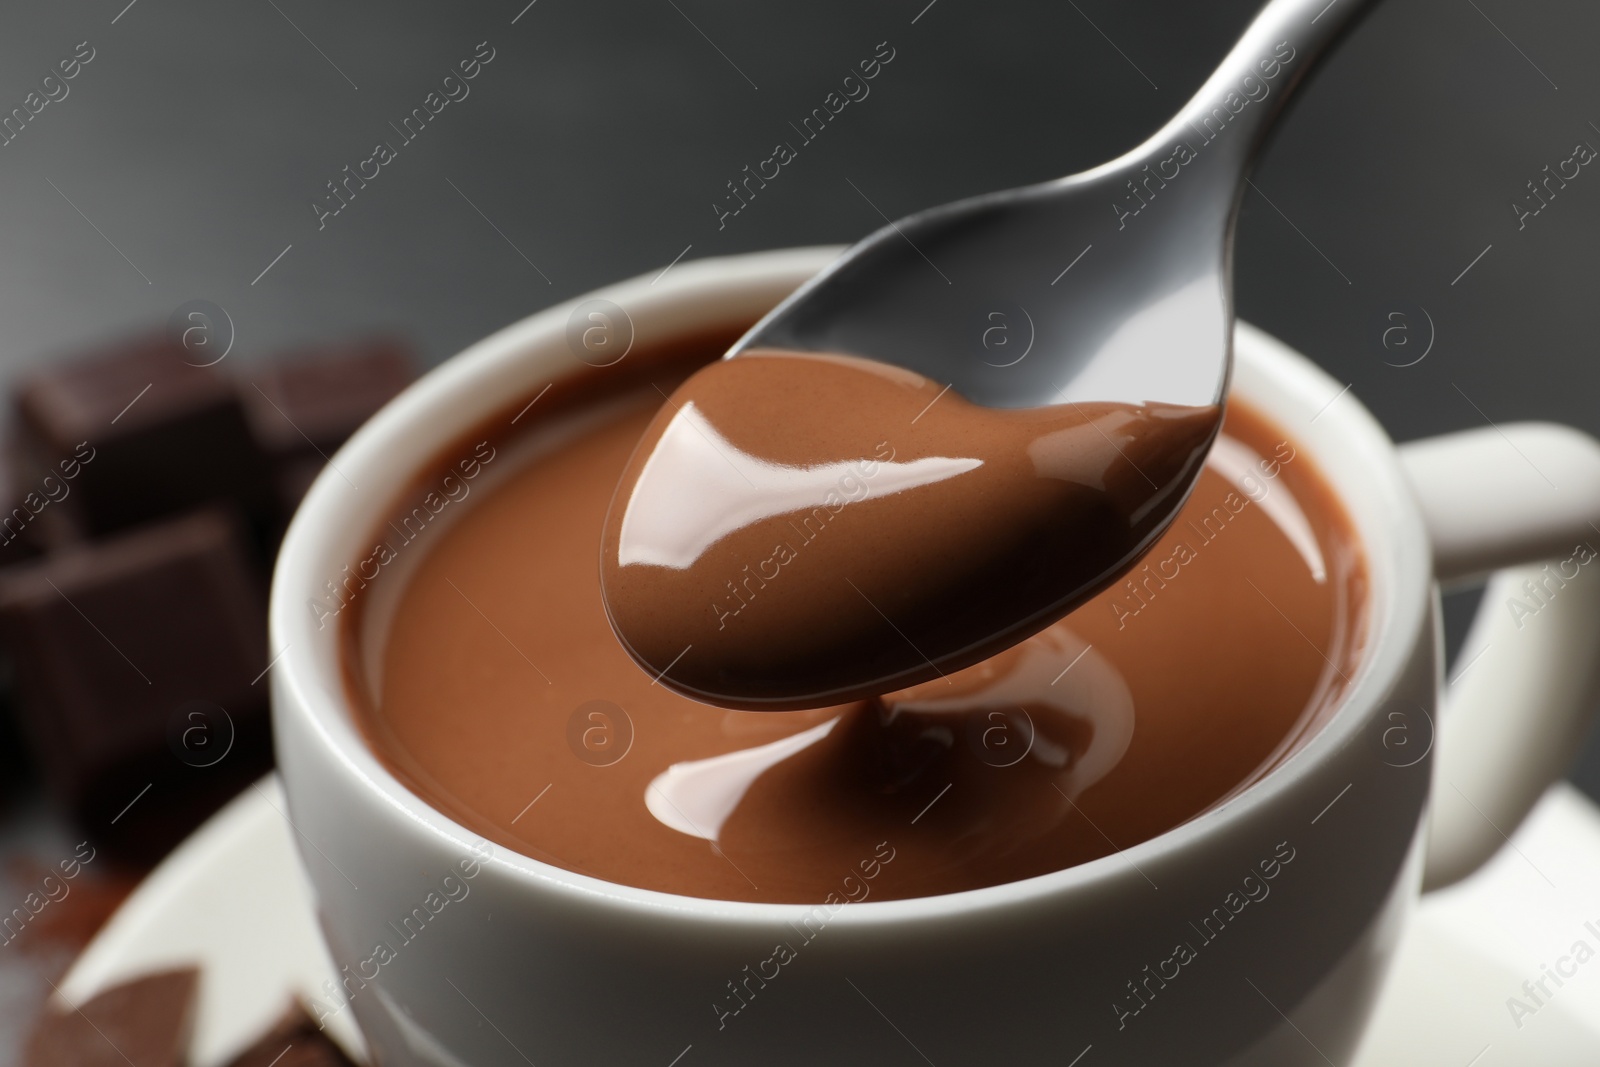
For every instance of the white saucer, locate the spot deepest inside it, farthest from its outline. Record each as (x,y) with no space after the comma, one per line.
(233,899)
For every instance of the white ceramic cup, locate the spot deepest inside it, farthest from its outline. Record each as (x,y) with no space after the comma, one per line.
(1257,933)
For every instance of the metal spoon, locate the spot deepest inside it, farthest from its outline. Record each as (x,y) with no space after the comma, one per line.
(1113,284)
(1110,288)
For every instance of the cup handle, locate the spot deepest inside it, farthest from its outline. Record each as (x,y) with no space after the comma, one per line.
(1521,503)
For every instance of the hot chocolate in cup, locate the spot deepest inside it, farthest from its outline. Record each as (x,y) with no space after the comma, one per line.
(1253,929)
(1191,677)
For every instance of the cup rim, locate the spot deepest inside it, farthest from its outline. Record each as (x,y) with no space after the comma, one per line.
(308,689)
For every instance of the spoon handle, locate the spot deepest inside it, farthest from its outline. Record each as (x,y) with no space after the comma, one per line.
(1219,131)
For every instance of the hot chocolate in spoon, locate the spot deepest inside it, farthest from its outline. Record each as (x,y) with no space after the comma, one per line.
(965,427)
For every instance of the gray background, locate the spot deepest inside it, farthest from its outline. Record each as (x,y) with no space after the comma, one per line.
(185,159)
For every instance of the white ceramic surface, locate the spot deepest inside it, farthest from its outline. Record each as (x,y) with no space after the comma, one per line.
(235,901)
(562,967)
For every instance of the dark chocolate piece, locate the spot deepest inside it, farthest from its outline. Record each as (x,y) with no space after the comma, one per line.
(67,904)
(145,1022)
(310,401)
(146,433)
(29,521)
(294,1041)
(134,660)
(293,478)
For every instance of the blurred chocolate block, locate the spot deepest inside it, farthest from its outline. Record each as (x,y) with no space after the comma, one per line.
(146,1022)
(294,1041)
(23,508)
(17,779)
(17,544)
(306,403)
(143,433)
(134,661)
(293,478)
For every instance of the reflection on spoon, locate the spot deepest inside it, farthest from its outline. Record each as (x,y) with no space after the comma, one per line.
(698,487)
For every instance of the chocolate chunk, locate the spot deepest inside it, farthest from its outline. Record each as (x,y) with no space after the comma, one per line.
(293,478)
(16,769)
(29,520)
(134,660)
(294,1041)
(143,433)
(66,904)
(310,401)
(145,1022)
